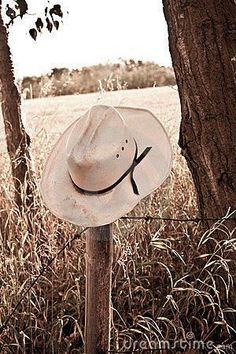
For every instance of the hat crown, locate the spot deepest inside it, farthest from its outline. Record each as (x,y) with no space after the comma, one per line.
(100,149)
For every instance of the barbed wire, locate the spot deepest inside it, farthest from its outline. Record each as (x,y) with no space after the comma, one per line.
(152,218)
(34,282)
(144,351)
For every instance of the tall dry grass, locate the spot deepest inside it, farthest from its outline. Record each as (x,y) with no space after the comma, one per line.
(165,285)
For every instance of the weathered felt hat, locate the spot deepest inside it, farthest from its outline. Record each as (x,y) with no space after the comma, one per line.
(104,164)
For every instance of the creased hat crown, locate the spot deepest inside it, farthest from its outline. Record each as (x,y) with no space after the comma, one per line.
(100,149)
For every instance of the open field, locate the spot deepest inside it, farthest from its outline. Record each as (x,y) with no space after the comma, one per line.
(53,114)
(165,284)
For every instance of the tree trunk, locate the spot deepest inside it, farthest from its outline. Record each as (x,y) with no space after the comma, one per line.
(202,39)
(17,139)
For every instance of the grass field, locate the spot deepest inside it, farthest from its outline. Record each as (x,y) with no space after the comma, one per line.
(53,115)
(165,283)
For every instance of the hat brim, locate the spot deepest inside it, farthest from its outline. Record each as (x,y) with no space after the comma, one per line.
(64,201)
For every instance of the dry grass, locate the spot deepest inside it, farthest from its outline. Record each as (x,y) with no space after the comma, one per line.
(165,282)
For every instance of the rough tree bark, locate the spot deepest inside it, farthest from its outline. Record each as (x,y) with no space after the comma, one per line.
(18,141)
(202,39)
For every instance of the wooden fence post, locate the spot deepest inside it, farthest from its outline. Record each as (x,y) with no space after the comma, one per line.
(99,254)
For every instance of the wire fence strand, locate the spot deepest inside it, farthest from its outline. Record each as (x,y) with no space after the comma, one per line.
(158,218)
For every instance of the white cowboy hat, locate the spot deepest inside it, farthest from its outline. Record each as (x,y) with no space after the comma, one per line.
(104,164)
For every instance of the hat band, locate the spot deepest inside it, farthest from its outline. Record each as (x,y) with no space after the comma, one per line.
(130,171)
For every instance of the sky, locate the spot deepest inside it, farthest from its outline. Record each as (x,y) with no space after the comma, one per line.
(93,31)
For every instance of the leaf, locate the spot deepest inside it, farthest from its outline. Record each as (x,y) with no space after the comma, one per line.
(56,24)
(49,25)
(23,7)
(10,12)
(33,33)
(39,24)
(56,10)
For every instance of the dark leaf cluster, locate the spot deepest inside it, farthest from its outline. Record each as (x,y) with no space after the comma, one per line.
(51,19)
(19,9)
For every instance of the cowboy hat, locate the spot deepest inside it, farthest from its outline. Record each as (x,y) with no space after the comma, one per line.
(104,164)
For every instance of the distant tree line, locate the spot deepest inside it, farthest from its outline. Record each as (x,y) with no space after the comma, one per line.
(127,74)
